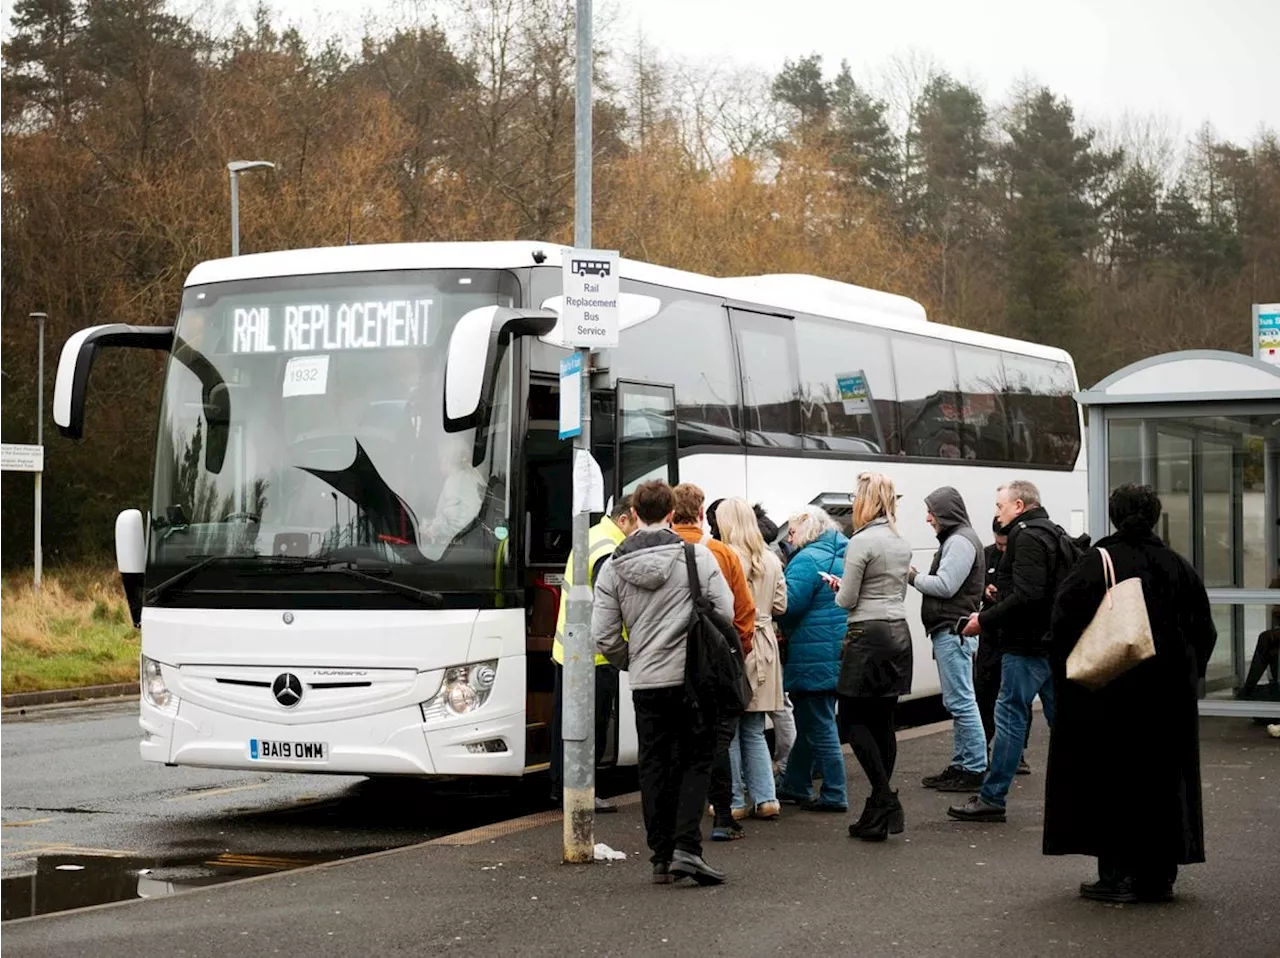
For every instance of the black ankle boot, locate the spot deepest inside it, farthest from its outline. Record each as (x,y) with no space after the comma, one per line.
(865,817)
(897,819)
(876,828)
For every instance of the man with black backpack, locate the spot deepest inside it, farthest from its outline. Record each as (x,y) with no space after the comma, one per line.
(646,587)
(1038,556)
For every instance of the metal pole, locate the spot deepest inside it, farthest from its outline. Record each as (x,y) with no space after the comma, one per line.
(579,657)
(235,213)
(39,550)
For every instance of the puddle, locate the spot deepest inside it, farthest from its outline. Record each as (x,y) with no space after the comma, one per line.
(62,882)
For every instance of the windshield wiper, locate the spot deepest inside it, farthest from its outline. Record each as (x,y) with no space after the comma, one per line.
(177,579)
(369,570)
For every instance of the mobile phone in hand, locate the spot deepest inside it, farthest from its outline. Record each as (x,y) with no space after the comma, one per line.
(831,580)
(961,623)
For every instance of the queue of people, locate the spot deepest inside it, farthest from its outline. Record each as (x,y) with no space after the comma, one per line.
(826,650)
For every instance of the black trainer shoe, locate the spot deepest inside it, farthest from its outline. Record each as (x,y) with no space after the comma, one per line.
(817,805)
(962,781)
(1116,892)
(976,810)
(730,832)
(686,865)
(933,781)
(1023,767)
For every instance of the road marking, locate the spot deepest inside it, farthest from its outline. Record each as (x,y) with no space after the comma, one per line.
(30,821)
(33,850)
(61,848)
(258,861)
(209,793)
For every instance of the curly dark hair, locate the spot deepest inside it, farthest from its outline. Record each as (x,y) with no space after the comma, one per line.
(1134,508)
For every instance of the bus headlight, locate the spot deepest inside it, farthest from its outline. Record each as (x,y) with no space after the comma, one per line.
(154,690)
(465,689)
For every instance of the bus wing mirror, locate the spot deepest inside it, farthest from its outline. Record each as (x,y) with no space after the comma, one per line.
(78,353)
(479,341)
(215,396)
(131,559)
(217,413)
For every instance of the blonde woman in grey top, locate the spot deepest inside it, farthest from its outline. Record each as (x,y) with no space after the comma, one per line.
(876,665)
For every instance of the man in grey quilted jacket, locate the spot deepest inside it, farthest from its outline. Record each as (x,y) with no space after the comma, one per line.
(645,587)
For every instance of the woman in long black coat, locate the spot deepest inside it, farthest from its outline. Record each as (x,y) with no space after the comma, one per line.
(1123,782)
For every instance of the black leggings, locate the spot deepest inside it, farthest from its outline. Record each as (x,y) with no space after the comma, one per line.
(869,729)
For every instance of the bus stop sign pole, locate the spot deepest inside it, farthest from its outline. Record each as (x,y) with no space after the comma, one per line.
(578,699)
(39,503)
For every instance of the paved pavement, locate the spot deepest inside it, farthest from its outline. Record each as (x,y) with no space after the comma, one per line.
(85,820)
(797,886)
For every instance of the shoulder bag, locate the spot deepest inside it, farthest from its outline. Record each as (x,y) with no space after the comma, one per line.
(1119,636)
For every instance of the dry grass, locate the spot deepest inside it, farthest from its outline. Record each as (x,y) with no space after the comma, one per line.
(75,631)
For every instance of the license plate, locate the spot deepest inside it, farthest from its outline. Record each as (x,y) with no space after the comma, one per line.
(263,749)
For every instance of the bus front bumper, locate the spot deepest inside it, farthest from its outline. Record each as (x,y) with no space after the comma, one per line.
(396,742)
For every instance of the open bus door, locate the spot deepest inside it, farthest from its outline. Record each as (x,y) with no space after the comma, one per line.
(633,439)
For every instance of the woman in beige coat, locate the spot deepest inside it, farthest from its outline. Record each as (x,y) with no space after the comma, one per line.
(749,752)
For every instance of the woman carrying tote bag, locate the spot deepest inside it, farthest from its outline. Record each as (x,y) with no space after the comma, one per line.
(1123,782)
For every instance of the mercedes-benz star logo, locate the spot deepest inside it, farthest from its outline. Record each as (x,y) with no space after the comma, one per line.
(287,688)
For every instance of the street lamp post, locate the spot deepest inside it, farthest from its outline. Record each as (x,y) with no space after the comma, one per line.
(236,167)
(39,549)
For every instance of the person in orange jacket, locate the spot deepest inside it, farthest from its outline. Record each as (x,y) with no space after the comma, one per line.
(688,522)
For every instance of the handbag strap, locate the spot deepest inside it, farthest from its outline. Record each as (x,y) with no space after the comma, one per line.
(1108,575)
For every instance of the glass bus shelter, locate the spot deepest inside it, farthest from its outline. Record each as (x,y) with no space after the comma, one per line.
(1203,428)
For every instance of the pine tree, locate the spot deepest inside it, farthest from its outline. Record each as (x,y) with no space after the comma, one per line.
(43,78)
(800,86)
(864,148)
(1051,221)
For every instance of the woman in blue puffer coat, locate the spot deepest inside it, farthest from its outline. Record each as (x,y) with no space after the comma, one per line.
(814,626)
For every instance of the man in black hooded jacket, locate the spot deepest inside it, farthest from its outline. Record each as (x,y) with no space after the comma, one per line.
(986,664)
(1025,584)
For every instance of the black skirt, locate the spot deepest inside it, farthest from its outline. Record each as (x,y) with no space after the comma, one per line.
(876,659)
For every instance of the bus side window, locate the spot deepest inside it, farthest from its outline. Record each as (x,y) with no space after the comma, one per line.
(646,434)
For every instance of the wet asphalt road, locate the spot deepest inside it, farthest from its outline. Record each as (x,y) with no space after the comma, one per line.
(85,820)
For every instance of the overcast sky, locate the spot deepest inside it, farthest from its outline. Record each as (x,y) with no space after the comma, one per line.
(1186,61)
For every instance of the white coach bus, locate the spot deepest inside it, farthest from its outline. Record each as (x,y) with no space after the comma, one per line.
(361,506)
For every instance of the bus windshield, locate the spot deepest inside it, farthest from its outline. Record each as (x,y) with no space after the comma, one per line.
(302,427)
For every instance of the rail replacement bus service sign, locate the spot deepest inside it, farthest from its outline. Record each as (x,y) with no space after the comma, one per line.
(590,312)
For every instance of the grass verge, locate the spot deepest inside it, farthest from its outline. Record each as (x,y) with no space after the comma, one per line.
(75,631)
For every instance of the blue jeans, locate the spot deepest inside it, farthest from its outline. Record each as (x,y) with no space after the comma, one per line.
(1022,678)
(751,763)
(954,655)
(817,745)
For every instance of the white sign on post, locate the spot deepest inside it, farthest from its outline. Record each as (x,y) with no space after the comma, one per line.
(588,483)
(589,316)
(17,457)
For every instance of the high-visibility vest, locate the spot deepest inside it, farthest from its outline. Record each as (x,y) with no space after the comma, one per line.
(603,538)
